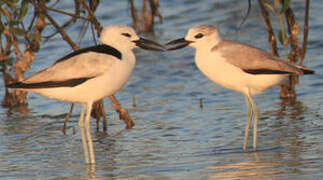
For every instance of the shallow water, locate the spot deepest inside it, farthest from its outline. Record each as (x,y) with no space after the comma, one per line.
(173,137)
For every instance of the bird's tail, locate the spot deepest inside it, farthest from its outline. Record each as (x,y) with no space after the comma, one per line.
(305,70)
(16,85)
(308,71)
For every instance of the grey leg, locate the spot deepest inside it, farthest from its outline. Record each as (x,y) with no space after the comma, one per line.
(250,115)
(255,125)
(88,132)
(81,125)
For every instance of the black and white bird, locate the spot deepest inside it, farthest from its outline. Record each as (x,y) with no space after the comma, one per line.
(238,67)
(90,74)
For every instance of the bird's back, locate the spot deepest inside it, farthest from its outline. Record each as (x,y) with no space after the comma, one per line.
(254,60)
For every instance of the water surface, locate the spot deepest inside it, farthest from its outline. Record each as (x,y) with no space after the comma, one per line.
(173,137)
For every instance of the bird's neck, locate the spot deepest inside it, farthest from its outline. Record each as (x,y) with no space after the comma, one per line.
(209,45)
(128,57)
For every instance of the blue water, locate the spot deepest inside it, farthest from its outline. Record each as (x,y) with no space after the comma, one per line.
(173,137)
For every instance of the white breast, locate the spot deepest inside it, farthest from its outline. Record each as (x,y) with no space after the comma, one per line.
(96,88)
(217,69)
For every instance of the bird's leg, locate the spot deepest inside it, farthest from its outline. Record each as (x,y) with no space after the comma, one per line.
(255,123)
(81,124)
(250,115)
(90,172)
(88,132)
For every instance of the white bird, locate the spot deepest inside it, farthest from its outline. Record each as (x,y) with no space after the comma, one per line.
(238,67)
(90,74)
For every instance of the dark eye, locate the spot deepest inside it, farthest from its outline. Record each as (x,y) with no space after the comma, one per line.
(126,34)
(198,36)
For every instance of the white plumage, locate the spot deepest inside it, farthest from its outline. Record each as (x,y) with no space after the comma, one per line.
(90,74)
(237,66)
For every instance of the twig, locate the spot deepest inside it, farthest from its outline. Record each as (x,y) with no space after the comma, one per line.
(270,32)
(66,118)
(123,113)
(67,23)
(283,34)
(136,23)
(305,32)
(246,16)
(154,4)
(92,18)
(293,30)
(62,32)
(67,13)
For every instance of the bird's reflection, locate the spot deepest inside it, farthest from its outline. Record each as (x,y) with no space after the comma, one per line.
(19,111)
(291,107)
(90,172)
(253,168)
(284,124)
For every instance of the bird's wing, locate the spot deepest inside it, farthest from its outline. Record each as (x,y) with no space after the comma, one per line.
(253,60)
(82,66)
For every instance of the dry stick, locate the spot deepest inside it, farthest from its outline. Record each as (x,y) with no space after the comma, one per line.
(6,52)
(62,32)
(134,104)
(284,89)
(149,21)
(154,4)
(246,16)
(288,90)
(144,17)
(293,30)
(270,32)
(152,13)
(146,23)
(104,120)
(31,23)
(74,17)
(136,23)
(92,17)
(97,112)
(201,103)
(143,9)
(8,98)
(305,32)
(147,17)
(123,113)
(25,59)
(22,64)
(66,118)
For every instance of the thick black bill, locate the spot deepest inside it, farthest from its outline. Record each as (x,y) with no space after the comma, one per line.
(180,43)
(149,45)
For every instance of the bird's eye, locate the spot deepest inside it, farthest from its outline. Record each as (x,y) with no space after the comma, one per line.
(198,36)
(126,34)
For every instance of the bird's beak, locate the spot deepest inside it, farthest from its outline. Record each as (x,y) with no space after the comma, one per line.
(180,43)
(149,45)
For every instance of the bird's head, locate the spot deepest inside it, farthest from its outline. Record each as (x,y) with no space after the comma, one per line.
(124,37)
(203,36)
